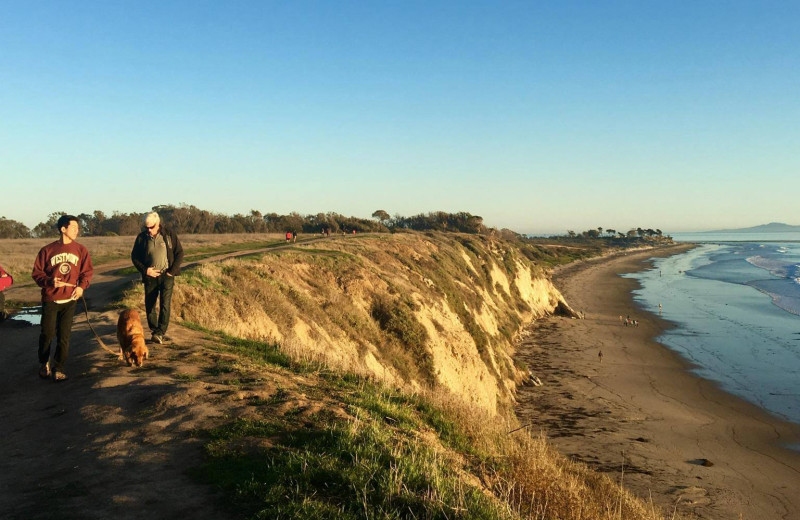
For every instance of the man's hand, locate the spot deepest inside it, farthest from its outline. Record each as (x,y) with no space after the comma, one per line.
(153,273)
(77,293)
(58,283)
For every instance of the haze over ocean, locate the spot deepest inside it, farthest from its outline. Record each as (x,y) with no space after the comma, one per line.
(736,307)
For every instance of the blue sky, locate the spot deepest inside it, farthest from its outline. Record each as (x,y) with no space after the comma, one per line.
(538,116)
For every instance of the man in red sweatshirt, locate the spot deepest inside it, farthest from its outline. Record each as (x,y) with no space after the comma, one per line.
(63,269)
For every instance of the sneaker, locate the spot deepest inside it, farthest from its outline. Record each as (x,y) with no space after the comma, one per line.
(44,371)
(59,376)
(158,338)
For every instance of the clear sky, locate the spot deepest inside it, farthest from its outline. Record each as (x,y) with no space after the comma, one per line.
(538,116)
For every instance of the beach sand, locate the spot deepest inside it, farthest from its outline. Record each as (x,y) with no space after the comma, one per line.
(641,416)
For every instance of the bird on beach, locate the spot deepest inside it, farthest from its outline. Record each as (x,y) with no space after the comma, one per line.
(600,356)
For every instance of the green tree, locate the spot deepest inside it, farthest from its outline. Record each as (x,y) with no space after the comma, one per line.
(382,216)
(48,227)
(13,229)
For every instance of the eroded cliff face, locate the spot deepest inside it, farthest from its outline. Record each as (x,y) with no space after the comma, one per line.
(416,310)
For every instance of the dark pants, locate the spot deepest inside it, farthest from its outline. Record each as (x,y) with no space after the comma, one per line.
(56,323)
(160,289)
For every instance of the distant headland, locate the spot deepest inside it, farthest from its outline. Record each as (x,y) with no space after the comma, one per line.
(772,227)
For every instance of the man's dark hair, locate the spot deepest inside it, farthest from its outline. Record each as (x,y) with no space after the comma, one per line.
(65,220)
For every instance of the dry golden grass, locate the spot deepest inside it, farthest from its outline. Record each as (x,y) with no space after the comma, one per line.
(17,255)
(536,481)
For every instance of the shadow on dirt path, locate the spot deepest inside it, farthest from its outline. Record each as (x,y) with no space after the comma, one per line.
(112,441)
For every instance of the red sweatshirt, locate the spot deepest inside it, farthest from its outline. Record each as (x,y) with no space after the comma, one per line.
(69,262)
(5,281)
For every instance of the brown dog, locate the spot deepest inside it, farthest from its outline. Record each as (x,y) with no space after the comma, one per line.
(132,347)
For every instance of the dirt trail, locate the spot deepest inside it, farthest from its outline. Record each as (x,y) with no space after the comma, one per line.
(112,441)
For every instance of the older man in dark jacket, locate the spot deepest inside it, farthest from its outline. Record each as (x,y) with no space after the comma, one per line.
(157,254)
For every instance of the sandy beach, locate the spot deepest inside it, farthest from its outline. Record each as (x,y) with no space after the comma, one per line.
(638,413)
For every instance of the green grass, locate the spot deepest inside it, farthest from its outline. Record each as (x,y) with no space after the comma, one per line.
(410,411)
(125,271)
(257,351)
(372,465)
(200,253)
(184,377)
(194,278)
(396,317)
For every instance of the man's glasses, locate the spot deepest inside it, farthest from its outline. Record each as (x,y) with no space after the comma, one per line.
(151,227)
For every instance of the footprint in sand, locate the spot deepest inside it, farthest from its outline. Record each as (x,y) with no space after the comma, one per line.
(691,495)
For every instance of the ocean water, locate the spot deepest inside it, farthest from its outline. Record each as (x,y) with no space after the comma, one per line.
(736,307)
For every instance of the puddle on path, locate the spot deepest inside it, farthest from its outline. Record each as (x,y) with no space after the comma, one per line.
(32,315)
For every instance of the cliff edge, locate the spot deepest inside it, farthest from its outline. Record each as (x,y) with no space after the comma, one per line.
(419,311)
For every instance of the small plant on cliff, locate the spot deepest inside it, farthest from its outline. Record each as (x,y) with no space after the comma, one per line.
(396,316)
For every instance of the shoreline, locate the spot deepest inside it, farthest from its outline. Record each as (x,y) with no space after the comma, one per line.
(641,415)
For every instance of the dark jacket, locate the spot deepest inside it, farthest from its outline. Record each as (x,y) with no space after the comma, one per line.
(174,252)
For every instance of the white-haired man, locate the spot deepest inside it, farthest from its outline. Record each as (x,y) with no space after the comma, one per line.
(157,254)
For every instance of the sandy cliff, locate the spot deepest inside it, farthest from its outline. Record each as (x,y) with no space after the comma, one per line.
(416,310)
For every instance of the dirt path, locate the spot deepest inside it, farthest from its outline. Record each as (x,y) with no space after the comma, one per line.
(112,442)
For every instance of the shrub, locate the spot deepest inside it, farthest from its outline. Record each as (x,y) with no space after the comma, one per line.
(396,316)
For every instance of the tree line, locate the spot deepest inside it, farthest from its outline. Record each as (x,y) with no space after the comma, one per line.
(613,233)
(461,222)
(188,219)
(612,237)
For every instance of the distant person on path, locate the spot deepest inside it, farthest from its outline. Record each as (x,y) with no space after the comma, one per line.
(6,281)
(294,236)
(63,269)
(157,254)
(288,236)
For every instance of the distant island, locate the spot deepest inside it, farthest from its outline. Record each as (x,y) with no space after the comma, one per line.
(772,227)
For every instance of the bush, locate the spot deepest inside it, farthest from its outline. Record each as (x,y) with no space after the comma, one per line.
(396,317)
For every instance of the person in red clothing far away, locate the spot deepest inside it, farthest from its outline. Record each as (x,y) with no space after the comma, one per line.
(6,281)
(63,269)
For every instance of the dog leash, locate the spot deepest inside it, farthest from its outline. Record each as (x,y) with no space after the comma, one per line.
(96,335)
